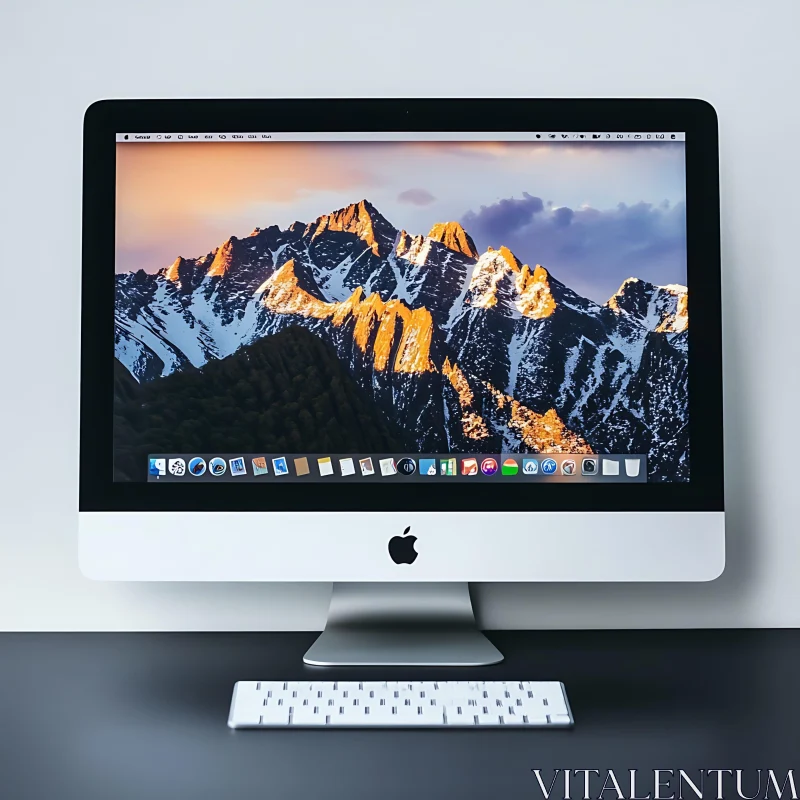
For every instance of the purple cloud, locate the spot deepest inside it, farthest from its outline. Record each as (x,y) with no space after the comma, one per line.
(506,215)
(417,197)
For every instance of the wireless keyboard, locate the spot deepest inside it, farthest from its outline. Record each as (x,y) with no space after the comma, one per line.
(399,704)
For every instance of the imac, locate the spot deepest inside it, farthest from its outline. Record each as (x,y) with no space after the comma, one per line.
(401,345)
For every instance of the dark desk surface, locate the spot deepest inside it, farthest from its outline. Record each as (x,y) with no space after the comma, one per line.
(143,716)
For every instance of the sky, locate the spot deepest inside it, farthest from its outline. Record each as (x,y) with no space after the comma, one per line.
(593,214)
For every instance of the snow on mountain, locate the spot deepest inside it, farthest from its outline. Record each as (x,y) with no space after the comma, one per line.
(155,334)
(655,307)
(473,351)
(493,282)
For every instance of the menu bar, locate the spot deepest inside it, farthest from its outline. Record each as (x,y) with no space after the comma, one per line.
(573,137)
(442,467)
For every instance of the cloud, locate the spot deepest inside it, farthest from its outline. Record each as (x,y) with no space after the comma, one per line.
(503,217)
(417,197)
(562,217)
(589,249)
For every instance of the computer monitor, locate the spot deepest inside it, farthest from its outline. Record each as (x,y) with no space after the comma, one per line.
(395,342)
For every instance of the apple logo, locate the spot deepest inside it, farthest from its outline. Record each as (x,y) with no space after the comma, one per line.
(401,548)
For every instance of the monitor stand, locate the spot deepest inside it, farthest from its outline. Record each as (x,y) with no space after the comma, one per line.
(401,624)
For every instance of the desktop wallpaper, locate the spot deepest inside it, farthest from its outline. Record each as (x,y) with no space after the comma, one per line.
(464,297)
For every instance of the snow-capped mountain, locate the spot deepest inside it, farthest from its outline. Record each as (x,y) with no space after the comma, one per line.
(472,352)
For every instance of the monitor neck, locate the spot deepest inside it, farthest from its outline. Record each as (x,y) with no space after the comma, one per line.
(401,624)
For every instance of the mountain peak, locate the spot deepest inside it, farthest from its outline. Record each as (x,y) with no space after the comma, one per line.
(222,259)
(660,308)
(635,286)
(182,272)
(453,236)
(412,248)
(510,258)
(493,280)
(362,219)
(505,255)
(534,296)
(270,231)
(636,291)
(172,272)
(501,281)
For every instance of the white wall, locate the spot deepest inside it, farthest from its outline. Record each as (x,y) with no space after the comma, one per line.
(57,57)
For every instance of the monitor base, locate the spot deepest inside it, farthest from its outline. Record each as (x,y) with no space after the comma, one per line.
(401,624)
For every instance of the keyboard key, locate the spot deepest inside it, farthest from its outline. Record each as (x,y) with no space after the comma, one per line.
(306,715)
(533,719)
(275,715)
(379,715)
(552,693)
(433,714)
(458,716)
(247,708)
(463,721)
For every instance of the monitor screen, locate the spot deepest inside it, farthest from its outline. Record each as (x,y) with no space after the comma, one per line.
(401,307)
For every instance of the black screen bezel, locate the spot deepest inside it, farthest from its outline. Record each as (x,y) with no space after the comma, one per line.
(104,119)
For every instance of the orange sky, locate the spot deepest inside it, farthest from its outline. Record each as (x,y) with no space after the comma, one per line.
(181,193)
